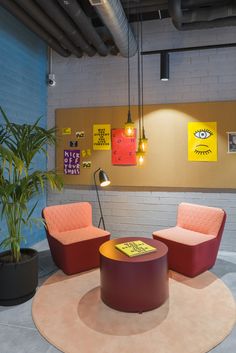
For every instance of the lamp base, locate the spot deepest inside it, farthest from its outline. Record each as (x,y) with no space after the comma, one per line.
(101,220)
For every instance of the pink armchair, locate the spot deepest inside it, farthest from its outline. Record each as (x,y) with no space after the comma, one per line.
(194,242)
(73,240)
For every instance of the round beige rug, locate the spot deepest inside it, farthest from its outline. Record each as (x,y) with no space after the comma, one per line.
(69,313)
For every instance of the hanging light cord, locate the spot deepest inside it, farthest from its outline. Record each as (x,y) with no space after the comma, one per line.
(139,93)
(141,44)
(128,65)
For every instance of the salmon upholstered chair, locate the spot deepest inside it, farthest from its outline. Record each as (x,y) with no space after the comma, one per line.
(73,240)
(194,242)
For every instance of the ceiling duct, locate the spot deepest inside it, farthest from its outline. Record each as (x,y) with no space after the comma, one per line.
(113,16)
(201,17)
(39,16)
(74,10)
(197,3)
(59,16)
(143,6)
(16,11)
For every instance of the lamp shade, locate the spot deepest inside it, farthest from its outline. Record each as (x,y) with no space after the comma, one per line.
(143,142)
(129,126)
(103,178)
(140,154)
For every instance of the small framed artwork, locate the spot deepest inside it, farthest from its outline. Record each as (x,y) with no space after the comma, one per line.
(73,144)
(231,142)
(80,134)
(86,164)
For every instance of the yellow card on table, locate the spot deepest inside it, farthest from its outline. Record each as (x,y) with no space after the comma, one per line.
(135,248)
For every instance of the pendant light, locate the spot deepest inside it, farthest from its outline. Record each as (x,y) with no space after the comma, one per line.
(164,66)
(129,125)
(144,140)
(140,154)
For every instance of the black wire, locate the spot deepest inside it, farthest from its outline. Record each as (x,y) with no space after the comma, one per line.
(128,63)
(142,73)
(139,92)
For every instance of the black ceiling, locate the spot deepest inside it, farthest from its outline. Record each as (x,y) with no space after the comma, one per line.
(76,27)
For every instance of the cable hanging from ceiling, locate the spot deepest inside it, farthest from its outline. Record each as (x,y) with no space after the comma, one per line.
(129,125)
(142,140)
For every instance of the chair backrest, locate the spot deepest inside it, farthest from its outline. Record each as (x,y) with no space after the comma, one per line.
(202,219)
(62,218)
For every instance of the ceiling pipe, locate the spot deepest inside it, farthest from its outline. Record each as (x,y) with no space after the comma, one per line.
(74,10)
(39,16)
(199,47)
(58,15)
(113,16)
(143,6)
(145,9)
(107,39)
(16,11)
(196,3)
(203,15)
(142,3)
(201,18)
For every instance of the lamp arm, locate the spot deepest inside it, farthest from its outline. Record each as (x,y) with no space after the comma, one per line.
(96,173)
(99,203)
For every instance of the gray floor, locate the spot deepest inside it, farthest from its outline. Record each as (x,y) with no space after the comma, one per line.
(19,335)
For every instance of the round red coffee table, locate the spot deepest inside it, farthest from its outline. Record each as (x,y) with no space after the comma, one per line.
(134,284)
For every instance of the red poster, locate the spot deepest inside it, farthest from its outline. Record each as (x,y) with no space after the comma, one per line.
(123,148)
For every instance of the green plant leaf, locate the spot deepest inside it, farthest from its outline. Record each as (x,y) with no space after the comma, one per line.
(20,180)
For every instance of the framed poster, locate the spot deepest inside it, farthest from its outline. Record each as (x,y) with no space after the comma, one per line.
(72,162)
(231,142)
(101,137)
(123,148)
(202,141)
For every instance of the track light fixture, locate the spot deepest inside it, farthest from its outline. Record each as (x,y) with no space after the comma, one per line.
(164,66)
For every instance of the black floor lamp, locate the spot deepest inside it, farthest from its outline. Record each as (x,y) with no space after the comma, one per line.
(104,181)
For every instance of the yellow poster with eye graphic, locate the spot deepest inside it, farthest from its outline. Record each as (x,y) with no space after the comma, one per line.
(202,141)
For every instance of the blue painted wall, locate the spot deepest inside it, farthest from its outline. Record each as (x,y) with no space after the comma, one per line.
(23,88)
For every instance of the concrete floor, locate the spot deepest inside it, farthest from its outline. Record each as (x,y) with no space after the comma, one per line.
(19,335)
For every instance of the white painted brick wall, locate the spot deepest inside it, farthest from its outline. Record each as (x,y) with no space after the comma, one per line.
(207,75)
(135,213)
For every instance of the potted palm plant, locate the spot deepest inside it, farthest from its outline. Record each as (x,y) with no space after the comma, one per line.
(20,184)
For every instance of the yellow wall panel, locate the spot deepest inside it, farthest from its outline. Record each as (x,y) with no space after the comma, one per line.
(166,163)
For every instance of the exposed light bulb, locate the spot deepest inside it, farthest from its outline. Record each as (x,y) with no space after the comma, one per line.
(129,126)
(143,141)
(140,160)
(143,144)
(129,131)
(140,154)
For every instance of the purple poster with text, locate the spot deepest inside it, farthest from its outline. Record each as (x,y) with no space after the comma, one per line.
(72,162)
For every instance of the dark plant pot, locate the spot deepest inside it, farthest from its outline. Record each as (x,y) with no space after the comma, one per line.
(18,281)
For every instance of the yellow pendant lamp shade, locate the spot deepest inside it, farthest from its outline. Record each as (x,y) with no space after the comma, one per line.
(129,126)
(140,154)
(143,142)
